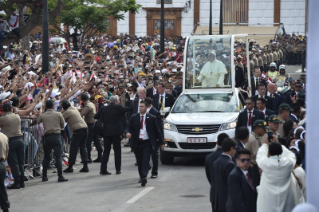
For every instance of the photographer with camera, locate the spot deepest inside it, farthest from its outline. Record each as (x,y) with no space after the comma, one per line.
(277,190)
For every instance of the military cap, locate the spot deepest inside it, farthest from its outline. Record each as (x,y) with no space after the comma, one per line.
(49,103)
(121,86)
(6,106)
(260,123)
(285,106)
(273,119)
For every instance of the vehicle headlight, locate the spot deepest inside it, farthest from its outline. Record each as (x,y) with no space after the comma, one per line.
(227,126)
(169,126)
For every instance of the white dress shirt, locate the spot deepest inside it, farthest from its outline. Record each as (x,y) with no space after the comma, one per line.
(143,133)
(250,127)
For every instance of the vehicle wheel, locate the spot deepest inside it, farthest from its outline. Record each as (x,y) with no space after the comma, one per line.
(166,160)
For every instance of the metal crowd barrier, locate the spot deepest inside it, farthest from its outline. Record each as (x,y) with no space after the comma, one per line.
(34,153)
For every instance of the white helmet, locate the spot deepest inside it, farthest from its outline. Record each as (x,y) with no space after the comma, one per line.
(282,67)
(273,65)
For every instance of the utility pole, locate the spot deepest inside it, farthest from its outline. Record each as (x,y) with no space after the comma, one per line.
(45,38)
(210,17)
(221,15)
(162,49)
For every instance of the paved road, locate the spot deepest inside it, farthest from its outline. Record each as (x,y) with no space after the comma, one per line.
(179,187)
(294,71)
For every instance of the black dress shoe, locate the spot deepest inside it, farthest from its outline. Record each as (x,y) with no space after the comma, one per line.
(143,182)
(105,173)
(44,178)
(118,172)
(68,170)
(84,169)
(97,160)
(62,179)
(90,160)
(135,164)
(139,181)
(154,176)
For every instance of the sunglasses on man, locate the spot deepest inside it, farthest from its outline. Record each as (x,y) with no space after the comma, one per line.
(245,159)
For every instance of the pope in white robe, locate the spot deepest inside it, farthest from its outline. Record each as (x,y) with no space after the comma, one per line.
(213,72)
(277,191)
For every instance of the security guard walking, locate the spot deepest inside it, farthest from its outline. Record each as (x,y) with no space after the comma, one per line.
(10,124)
(253,144)
(80,132)
(88,111)
(53,122)
(4,150)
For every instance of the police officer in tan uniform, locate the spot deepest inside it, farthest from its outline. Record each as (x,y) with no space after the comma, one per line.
(4,151)
(10,124)
(53,122)
(253,144)
(264,58)
(271,56)
(275,58)
(260,62)
(283,114)
(273,124)
(80,132)
(88,111)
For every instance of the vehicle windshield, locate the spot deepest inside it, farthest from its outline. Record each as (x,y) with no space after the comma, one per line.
(208,62)
(200,103)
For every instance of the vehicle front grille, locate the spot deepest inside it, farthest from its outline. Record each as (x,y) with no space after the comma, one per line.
(198,129)
(209,145)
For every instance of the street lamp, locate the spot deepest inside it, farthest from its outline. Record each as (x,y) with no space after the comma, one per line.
(162,27)
(45,38)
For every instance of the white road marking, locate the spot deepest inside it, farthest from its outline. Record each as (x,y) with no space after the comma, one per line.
(139,195)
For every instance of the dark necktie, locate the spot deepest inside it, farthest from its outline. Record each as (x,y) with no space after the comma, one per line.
(256,83)
(249,180)
(142,119)
(249,119)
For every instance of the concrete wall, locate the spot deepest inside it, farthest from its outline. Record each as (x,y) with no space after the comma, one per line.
(204,12)
(261,12)
(292,15)
(122,25)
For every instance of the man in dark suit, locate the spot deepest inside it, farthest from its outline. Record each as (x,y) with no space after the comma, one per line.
(112,116)
(212,157)
(249,115)
(145,134)
(261,105)
(242,136)
(276,98)
(150,92)
(151,110)
(221,169)
(294,115)
(141,93)
(162,99)
(262,94)
(256,80)
(242,195)
(239,74)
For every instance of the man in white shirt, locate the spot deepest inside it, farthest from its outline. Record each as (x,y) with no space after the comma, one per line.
(14,23)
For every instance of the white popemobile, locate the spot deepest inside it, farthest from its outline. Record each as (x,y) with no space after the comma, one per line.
(209,104)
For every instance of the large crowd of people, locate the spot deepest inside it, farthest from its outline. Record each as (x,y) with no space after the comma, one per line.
(111,87)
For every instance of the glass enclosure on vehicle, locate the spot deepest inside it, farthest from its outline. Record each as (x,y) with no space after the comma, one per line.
(209,61)
(210,102)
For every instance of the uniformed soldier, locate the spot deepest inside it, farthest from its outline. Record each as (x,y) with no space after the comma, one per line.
(260,62)
(252,65)
(272,73)
(273,124)
(275,57)
(254,58)
(4,151)
(88,111)
(10,124)
(290,50)
(53,122)
(253,144)
(264,58)
(283,114)
(280,55)
(80,132)
(271,56)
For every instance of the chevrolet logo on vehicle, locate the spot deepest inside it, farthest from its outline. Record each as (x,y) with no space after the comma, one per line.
(197,129)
